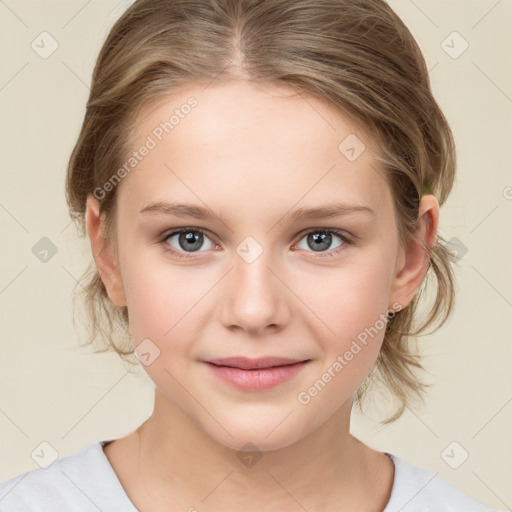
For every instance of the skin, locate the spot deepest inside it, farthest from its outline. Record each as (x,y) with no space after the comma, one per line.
(254,154)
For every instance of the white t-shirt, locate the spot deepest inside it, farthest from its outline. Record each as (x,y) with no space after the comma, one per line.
(86,482)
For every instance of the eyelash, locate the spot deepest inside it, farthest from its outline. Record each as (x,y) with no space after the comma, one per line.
(181,255)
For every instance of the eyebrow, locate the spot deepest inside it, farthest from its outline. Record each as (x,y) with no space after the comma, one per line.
(301,214)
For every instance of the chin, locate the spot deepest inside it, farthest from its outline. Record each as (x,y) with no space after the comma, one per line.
(254,436)
(256,443)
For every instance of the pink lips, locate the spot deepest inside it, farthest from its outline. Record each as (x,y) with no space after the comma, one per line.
(255,374)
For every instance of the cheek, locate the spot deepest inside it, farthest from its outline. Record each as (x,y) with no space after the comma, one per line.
(350,323)
(352,300)
(164,301)
(357,317)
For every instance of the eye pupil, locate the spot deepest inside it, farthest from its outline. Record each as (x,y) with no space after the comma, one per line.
(320,241)
(191,241)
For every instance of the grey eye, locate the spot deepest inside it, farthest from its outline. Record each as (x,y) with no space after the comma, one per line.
(319,241)
(188,240)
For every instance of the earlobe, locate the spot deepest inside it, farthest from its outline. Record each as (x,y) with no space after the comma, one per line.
(104,253)
(415,261)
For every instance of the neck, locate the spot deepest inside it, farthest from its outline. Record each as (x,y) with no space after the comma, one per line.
(178,462)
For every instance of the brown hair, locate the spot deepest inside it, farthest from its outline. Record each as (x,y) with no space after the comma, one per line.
(358,57)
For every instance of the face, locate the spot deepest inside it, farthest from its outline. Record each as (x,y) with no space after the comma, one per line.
(259,269)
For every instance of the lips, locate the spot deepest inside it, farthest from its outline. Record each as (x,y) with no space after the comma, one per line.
(246,363)
(255,375)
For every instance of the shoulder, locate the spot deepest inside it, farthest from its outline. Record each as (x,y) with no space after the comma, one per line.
(84,481)
(415,489)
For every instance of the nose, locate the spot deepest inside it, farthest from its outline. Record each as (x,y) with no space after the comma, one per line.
(255,298)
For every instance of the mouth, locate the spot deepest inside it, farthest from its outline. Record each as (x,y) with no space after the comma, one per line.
(255,374)
(246,363)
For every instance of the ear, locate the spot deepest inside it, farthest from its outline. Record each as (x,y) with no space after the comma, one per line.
(104,252)
(414,261)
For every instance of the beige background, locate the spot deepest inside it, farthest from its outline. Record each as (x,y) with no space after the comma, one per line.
(50,392)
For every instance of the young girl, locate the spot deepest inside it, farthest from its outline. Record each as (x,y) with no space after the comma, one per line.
(260,182)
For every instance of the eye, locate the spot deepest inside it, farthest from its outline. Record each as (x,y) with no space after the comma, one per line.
(185,240)
(320,240)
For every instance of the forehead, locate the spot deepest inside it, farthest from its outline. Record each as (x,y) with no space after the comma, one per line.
(250,146)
